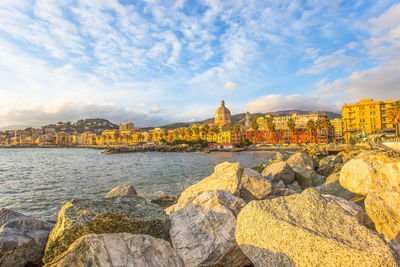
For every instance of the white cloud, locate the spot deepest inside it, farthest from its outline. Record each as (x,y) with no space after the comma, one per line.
(42,114)
(230,86)
(324,63)
(290,102)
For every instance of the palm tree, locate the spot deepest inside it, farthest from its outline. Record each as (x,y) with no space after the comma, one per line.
(291,124)
(205,129)
(140,137)
(327,125)
(237,130)
(196,131)
(310,127)
(156,136)
(150,137)
(271,126)
(254,125)
(319,124)
(165,133)
(394,115)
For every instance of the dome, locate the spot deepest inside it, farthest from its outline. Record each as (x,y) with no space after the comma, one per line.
(222,114)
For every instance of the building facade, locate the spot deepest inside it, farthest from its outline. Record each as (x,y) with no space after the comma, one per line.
(367,116)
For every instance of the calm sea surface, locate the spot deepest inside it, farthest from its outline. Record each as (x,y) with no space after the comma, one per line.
(39,181)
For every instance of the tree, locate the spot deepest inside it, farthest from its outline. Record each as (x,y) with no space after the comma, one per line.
(327,125)
(271,126)
(291,124)
(150,136)
(176,133)
(196,131)
(254,125)
(205,129)
(319,124)
(394,115)
(140,137)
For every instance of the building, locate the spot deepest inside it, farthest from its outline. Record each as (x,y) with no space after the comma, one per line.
(338,129)
(281,121)
(282,136)
(222,115)
(126,126)
(367,116)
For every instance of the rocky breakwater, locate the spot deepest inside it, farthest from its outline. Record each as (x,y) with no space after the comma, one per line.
(287,214)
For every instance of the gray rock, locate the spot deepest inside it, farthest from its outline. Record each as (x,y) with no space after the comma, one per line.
(301,160)
(307,177)
(280,171)
(121,249)
(203,231)
(254,185)
(122,190)
(22,238)
(80,217)
(307,230)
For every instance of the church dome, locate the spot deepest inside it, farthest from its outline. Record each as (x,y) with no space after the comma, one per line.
(222,114)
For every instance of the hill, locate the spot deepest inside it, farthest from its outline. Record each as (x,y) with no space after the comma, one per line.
(88,125)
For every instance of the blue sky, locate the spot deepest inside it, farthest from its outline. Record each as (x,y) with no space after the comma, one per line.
(153,62)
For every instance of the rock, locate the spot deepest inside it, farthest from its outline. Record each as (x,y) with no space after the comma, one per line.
(351,208)
(80,217)
(280,171)
(281,192)
(384,210)
(335,189)
(226,176)
(307,177)
(334,177)
(295,186)
(254,185)
(165,201)
(328,169)
(370,172)
(279,185)
(122,249)
(301,160)
(122,190)
(279,156)
(22,238)
(211,197)
(334,159)
(203,232)
(307,230)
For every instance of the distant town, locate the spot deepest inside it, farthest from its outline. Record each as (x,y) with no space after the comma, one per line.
(362,121)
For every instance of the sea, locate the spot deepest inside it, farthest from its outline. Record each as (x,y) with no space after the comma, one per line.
(39,181)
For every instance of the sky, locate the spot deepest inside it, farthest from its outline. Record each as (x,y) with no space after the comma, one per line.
(156,62)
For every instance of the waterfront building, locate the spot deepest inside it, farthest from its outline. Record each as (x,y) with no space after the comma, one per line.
(283,136)
(63,138)
(281,121)
(367,116)
(222,115)
(126,126)
(338,128)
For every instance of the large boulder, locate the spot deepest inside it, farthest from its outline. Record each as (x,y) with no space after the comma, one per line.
(335,189)
(307,177)
(348,206)
(122,190)
(206,198)
(203,232)
(307,230)
(121,249)
(301,160)
(370,171)
(254,185)
(22,238)
(80,217)
(384,210)
(279,171)
(226,176)
(279,156)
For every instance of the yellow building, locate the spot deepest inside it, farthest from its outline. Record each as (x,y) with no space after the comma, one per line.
(338,126)
(126,126)
(222,114)
(367,115)
(224,137)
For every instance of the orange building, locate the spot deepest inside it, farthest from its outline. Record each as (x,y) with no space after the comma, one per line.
(282,136)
